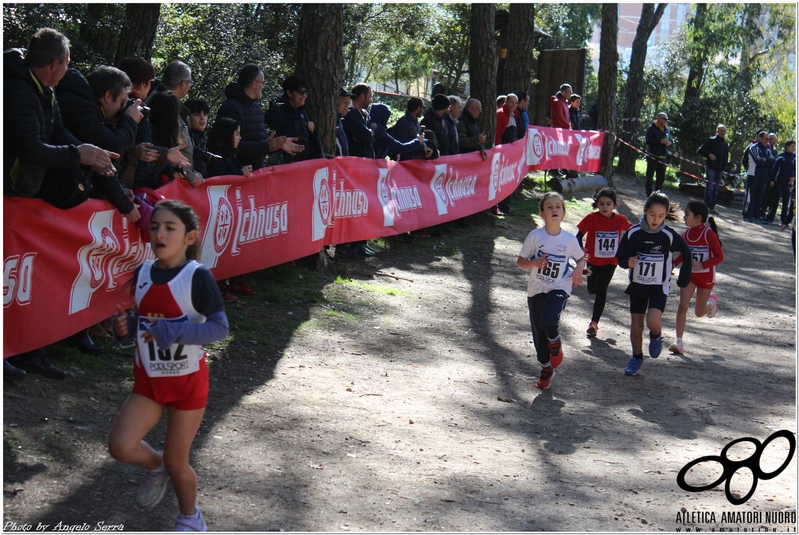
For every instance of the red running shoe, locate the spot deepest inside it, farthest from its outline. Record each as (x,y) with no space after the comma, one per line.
(237,285)
(555,353)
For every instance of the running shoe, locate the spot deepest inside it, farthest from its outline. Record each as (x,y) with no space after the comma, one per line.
(545,378)
(593,329)
(555,353)
(190,523)
(676,348)
(633,365)
(238,286)
(152,489)
(655,346)
(713,306)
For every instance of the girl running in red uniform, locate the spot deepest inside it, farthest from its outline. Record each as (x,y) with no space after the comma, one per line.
(179,309)
(706,254)
(602,230)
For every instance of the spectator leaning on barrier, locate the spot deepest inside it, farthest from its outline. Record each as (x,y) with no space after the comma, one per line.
(385,142)
(344,100)
(469,136)
(657,142)
(41,158)
(433,121)
(198,121)
(451,118)
(717,154)
(506,121)
(522,120)
(360,133)
(407,127)
(559,107)
(243,106)
(575,115)
(142,158)
(287,116)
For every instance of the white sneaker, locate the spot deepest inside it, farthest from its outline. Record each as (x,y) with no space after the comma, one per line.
(713,306)
(676,348)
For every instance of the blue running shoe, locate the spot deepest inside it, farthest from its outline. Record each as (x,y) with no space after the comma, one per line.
(655,346)
(633,365)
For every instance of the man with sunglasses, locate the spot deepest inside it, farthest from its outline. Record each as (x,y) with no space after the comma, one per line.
(288,117)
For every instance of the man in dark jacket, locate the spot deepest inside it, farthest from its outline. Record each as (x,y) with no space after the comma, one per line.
(717,155)
(657,141)
(469,137)
(434,122)
(242,105)
(407,127)
(90,105)
(344,100)
(360,132)
(759,159)
(38,152)
(783,173)
(288,117)
(451,118)
(41,158)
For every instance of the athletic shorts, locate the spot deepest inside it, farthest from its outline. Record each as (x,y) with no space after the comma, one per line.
(704,285)
(183,393)
(657,299)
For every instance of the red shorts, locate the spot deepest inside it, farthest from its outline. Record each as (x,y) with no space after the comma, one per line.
(704,285)
(183,393)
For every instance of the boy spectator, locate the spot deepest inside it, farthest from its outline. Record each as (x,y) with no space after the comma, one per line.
(344,100)
(522,119)
(575,116)
(198,121)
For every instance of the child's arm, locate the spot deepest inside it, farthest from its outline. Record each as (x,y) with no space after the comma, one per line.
(716,253)
(123,324)
(685,270)
(167,333)
(624,254)
(577,274)
(526,263)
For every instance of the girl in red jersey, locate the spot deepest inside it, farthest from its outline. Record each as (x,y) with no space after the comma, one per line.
(602,230)
(179,308)
(706,254)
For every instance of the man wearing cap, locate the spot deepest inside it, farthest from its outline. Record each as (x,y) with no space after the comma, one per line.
(434,122)
(657,141)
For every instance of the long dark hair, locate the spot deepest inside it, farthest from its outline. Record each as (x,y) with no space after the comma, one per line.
(660,198)
(699,208)
(164,117)
(189,218)
(220,138)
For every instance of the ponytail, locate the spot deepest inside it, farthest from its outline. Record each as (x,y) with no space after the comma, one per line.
(711,222)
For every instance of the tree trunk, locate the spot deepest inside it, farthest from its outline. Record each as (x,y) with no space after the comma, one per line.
(696,63)
(521,41)
(320,61)
(98,33)
(483,59)
(608,70)
(138,33)
(630,123)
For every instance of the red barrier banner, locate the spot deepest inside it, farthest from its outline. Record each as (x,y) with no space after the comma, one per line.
(64,271)
(556,148)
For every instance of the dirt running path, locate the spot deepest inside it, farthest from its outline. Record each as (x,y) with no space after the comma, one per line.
(407,403)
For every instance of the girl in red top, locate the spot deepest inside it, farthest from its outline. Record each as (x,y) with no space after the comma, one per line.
(706,254)
(602,230)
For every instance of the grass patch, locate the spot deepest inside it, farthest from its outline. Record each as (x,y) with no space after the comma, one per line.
(374,288)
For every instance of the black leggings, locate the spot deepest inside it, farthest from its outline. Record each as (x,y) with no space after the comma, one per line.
(598,283)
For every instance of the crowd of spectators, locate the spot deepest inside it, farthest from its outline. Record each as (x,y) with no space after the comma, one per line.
(119,133)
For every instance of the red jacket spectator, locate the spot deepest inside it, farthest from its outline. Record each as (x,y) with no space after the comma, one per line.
(559,108)
(504,115)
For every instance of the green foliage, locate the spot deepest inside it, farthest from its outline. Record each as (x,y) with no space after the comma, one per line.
(216,40)
(570,25)
(449,42)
